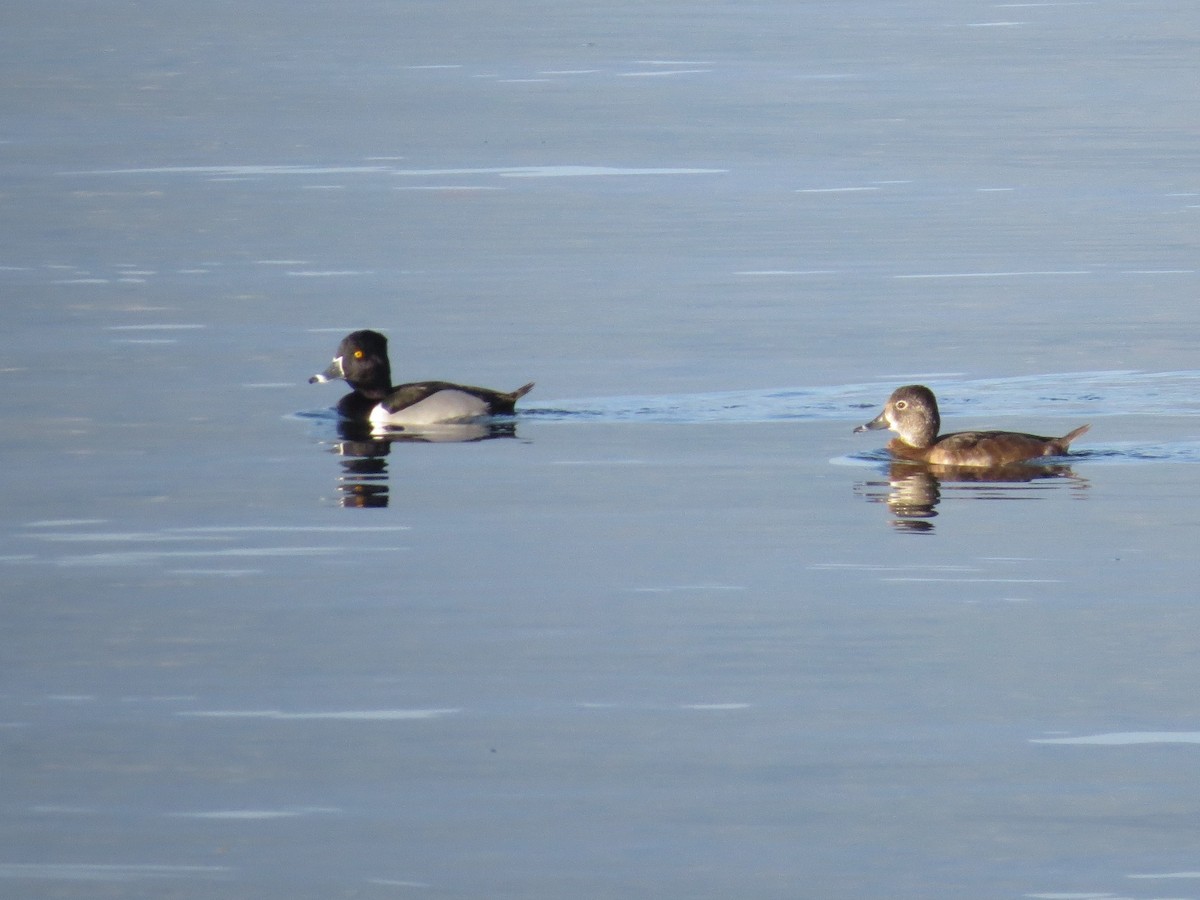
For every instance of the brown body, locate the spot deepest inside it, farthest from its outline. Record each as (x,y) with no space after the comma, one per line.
(912,413)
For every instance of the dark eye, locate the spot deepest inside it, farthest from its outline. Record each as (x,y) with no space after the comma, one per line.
(358,354)
(901,404)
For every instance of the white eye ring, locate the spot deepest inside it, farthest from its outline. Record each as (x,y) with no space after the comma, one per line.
(901,404)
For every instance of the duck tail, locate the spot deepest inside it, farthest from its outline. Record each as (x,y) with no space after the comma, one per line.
(522,391)
(1065,441)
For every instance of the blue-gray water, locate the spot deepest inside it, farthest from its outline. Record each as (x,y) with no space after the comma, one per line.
(675,632)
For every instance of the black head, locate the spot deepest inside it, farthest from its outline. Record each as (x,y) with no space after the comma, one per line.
(362,361)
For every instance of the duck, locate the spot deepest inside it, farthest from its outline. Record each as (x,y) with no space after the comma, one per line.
(362,362)
(912,412)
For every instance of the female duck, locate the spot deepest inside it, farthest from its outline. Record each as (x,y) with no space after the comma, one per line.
(912,413)
(362,361)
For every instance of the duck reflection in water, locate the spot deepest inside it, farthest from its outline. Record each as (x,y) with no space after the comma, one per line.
(363,483)
(913,490)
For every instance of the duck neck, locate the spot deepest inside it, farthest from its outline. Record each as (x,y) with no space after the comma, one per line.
(370,391)
(922,432)
(375,383)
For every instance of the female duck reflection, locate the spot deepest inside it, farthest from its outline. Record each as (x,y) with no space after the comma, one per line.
(913,491)
(925,459)
(376,414)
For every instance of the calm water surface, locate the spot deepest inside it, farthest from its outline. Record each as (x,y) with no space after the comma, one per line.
(674,630)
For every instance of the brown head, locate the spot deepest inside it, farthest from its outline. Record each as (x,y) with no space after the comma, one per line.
(912,413)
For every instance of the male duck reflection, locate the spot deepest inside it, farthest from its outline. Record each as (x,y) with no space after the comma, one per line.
(912,413)
(362,361)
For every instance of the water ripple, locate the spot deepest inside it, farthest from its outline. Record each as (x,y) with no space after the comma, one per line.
(1070,394)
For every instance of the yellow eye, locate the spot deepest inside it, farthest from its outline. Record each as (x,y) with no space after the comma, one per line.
(358,354)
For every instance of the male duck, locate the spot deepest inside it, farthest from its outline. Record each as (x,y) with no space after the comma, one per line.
(362,361)
(912,413)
